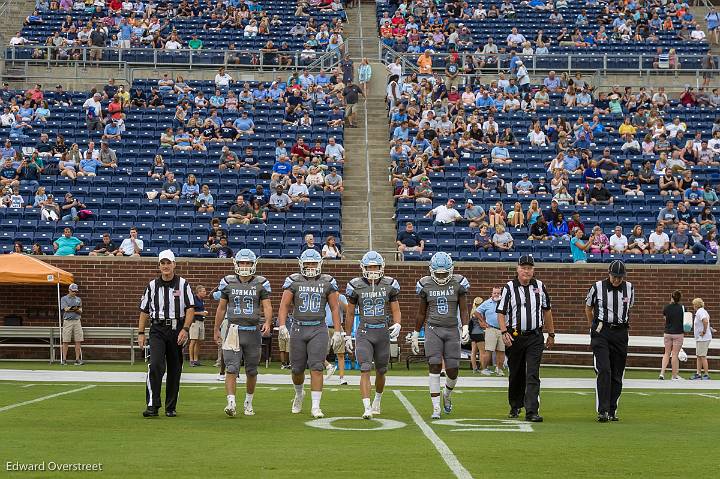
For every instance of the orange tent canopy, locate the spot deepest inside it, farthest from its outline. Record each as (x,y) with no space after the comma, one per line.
(18,268)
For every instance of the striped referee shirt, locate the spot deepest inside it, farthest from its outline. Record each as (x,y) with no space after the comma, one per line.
(612,305)
(523,306)
(167,299)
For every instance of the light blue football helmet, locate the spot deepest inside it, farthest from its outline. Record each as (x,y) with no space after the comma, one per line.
(245,256)
(310,263)
(372,258)
(441,267)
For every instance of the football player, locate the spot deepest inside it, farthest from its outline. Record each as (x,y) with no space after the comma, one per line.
(376,297)
(245,301)
(441,295)
(308,292)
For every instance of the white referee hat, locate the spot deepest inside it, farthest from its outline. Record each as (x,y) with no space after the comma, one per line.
(166,254)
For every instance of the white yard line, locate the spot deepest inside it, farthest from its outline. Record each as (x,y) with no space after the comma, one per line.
(447,455)
(44,398)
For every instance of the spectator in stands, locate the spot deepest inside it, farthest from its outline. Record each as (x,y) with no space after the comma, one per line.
(578,247)
(630,186)
(637,244)
(497,215)
(244,124)
(424,63)
(279,201)
(558,228)
(240,212)
(158,169)
(659,241)
(668,185)
(330,249)
(310,243)
(93,112)
(298,191)
(524,186)
(539,230)
(483,239)
(618,241)
(423,192)
(502,240)
(70,208)
(8,174)
(67,244)
(445,215)
(501,155)
(668,216)
(105,247)
(171,188)
(599,242)
(680,241)
(405,191)
(474,214)
(190,189)
(259,212)
(132,245)
(350,98)
(694,195)
(204,202)
(600,195)
(334,151)
(333,181)
(409,240)
(107,156)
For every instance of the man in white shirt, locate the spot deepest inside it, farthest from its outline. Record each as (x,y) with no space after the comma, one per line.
(445,214)
(618,241)
(659,240)
(334,151)
(173,43)
(298,191)
(488,123)
(515,39)
(131,246)
(222,79)
(18,39)
(674,127)
(697,34)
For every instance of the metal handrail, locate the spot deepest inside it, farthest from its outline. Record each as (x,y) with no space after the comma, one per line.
(195,58)
(534,62)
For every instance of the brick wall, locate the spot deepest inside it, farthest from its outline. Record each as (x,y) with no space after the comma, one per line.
(111,289)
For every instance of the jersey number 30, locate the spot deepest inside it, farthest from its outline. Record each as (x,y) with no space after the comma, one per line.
(243,305)
(309,302)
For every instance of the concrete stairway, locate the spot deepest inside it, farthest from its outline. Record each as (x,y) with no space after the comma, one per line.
(367,201)
(13,17)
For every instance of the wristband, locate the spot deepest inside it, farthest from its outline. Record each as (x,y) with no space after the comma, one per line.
(186,329)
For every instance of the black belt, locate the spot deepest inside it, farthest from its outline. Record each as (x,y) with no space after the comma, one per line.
(532,332)
(166,322)
(615,325)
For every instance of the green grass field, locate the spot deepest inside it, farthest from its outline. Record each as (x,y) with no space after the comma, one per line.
(661,434)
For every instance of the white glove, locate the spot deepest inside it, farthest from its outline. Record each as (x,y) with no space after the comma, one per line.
(348,344)
(465,336)
(394,331)
(415,342)
(283,333)
(337,339)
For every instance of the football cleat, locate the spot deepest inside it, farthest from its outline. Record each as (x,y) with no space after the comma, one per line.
(230,409)
(330,371)
(447,404)
(298,403)
(376,410)
(317,413)
(435,414)
(368,414)
(248,410)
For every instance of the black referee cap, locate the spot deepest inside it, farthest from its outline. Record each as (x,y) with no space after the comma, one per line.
(617,268)
(526,259)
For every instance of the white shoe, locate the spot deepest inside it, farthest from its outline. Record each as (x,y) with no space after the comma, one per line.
(486,372)
(248,410)
(375,409)
(435,414)
(297,403)
(343,381)
(230,409)
(220,377)
(317,413)
(368,414)
(499,372)
(330,371)
(678,378)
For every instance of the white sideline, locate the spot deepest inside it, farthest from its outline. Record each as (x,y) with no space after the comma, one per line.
(54,376)
(447,455)
(44,398)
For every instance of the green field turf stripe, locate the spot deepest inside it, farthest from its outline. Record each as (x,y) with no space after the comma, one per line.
(44,398)
(447,455)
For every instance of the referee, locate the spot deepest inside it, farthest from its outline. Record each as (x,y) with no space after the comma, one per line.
(523,310)
(168,304)
(607,309)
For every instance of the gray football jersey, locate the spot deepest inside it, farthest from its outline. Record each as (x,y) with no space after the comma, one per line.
(310,295)
(442,309)
(373,301)
(244,299)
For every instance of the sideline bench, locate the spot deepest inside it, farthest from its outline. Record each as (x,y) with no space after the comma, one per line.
(584,340)
(50,337)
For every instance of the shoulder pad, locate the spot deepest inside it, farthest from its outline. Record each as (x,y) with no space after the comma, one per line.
(325,277)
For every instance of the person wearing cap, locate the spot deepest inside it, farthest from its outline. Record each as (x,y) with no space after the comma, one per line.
(106,247)
(523,312)
(524,186)
(424,192)
(333,181)
(445,215)
(607,309)
(168,308)
(474,214)
(71,308)
(472,181)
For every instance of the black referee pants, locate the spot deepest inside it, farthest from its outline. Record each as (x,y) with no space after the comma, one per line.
(164,352)
(524,358)
(609,348)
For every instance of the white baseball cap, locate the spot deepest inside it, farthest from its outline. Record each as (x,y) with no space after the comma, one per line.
(166,254)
